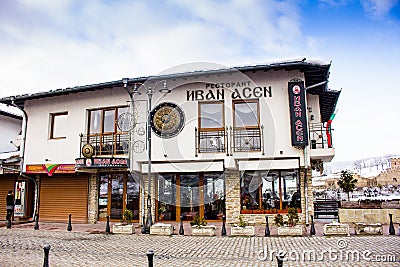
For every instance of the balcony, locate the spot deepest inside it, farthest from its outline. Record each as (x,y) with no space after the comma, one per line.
(209,141)
(247,140)
(229,140)
(106,144)
(321,142)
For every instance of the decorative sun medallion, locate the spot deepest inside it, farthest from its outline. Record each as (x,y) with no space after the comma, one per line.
(167,120)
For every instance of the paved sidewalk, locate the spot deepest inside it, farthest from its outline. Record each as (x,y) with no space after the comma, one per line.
(100,227)
(88,245)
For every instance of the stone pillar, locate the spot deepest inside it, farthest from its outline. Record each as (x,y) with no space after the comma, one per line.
(232,202)
(93,198)
(153,196)
(309,194)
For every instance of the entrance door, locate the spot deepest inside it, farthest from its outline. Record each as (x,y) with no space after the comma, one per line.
(189,195)
(118,191)
(167,198)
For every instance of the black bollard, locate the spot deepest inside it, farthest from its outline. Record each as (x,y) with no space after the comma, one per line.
(150,255)
(267,232)
(143,225)
(36,222)
(223,231)
(391,226)
(46,255)
(9,224)
(108,225)
(279,259)
(69,228)
(312,229)
(181,231)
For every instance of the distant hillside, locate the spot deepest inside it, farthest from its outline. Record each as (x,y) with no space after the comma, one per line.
(368,167)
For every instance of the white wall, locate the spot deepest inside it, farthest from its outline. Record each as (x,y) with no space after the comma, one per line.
(274,116)
(63,151)
(10,129)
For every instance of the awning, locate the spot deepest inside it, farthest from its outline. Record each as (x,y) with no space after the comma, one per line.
(174,167)
(263,165)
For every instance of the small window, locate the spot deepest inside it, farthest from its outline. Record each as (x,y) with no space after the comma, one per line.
(58,125)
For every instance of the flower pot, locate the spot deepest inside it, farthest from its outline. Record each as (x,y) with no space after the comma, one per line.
(161,229)
(243,231)
(208,230)
(119,228)
(290,230)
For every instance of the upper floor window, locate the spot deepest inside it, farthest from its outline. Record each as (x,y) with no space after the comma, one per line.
(105,120)
(58,125)
(211,115)
(103,132)
(246,130)
(212,135)
(246,114)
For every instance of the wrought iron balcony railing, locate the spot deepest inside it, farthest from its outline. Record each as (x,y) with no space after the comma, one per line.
(247,140)
(229,140)
(106,144)
(320,136)
(211,141)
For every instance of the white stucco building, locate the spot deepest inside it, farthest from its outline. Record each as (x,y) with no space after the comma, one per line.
(227,141)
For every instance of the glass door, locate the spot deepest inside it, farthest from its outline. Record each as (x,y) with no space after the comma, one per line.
(189,196)
(117,193)
(132,196)
(166,198)
(214,196)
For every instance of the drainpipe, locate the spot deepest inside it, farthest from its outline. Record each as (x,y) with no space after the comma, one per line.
(22,159)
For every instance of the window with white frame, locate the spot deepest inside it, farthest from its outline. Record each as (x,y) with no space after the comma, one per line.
(58,125)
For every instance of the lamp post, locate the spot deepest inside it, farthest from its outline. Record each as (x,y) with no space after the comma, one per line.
(149,93)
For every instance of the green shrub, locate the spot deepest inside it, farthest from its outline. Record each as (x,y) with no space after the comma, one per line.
(242,222)
(127,216)
(278,220)
(293,217)
(198,221)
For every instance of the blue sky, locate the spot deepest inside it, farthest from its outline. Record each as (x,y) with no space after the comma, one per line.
(46,45)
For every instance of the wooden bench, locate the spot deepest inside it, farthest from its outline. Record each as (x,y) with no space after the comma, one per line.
(329,209)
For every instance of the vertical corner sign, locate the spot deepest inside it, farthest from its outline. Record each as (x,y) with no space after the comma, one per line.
(298,121)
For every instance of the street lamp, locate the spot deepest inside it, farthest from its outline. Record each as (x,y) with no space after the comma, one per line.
(149,93)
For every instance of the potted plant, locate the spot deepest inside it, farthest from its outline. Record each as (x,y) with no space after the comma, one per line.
(200,227)
(289,227)
(242,228)
(125,226)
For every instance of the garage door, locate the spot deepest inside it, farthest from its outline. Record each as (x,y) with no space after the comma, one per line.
(63,195)
(6,184)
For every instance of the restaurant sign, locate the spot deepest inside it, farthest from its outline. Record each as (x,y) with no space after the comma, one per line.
(298,121)
(102,163)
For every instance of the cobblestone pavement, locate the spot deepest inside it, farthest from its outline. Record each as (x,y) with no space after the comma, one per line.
(24,247)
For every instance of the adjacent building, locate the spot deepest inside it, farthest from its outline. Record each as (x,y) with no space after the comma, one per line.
(217,142)
(10,136)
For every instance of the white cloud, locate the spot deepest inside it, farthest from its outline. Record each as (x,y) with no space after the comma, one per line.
(58,44)
(336,2)
(378,8)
